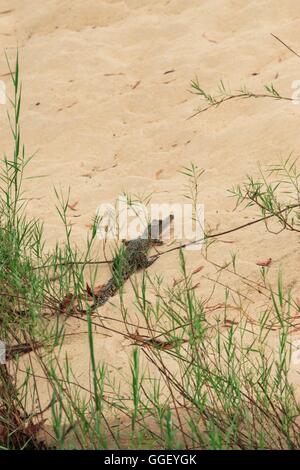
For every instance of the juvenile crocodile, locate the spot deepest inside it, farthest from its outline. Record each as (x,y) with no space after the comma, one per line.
(132,256)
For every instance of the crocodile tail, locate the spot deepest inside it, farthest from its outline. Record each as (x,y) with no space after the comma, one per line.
(107,291)
(111,287)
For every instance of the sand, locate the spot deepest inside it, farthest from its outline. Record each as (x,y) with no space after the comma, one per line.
(106,89)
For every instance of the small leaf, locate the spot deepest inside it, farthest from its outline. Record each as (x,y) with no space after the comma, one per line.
(136,85)
(73,205)
(264,263)
(197,270)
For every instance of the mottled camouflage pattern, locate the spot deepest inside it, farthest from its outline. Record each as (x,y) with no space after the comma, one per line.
(134,258)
